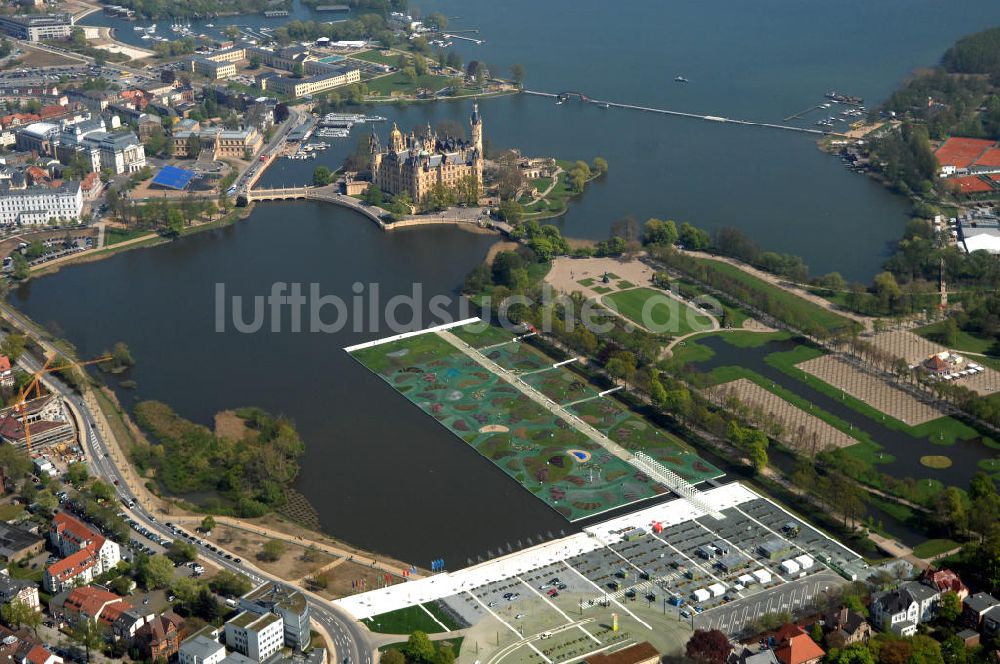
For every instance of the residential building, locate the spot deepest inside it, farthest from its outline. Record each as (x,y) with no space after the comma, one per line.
(902,609)
(48,422)
(796,647)
(6,372)
(86,552)
(256,636)
(851,627)
(22,647)
(748,656)
(201,649)
(91,186)
(37,27)
(287,603)
(213,69)
(945,580)
(975,607)
(160,638)
(990,625)
(129,622)
(260,113)
(17,543)
(322,79)
(415,165)
(28,206)
(639,653)
(93,604)
(19,590)
(149,125)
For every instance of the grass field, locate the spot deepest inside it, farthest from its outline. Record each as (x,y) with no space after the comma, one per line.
(114,235)
(410,619)
(665,314)
(934,547)
(399,83)
(378,58)
(828,319)
(964,341)
(688,290)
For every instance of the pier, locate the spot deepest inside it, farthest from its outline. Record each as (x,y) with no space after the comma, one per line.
(562,96)
(452,35)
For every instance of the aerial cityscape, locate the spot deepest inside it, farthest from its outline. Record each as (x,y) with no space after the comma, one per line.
(360,331)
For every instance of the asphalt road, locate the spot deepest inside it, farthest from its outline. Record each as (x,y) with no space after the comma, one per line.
(349,638)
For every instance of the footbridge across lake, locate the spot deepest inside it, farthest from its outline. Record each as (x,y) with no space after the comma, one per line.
(564,96)
(327,194)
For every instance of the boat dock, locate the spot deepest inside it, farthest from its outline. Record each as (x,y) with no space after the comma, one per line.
(662,111)
(452,35)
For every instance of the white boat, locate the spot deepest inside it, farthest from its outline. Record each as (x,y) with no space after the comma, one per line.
(210,25)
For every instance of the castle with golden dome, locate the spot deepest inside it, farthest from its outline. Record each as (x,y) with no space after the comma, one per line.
(414,164)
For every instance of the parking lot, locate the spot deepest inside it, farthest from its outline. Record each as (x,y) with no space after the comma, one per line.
(662,571)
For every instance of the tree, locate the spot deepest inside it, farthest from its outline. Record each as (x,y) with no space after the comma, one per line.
(949,332)
(693,238)
(21,268)
(77,473)
(13,346)
(657,231)
(18,613)
(208,524)
(322,176)
(272,550)
(182,552)
(230,584)
(87,634)
(600,165)
(392,656)
(154,571)
(419,647)
(949,607)
(298,70)
(517,74)
(708,647)
(280,112)
(857,653)
(925,650)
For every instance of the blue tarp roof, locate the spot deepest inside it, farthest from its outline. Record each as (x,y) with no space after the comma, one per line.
(173,177)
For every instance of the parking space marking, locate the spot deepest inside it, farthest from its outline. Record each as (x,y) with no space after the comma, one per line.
(508,626)
(686,557)
(742,552)
(550,603)
(640,620)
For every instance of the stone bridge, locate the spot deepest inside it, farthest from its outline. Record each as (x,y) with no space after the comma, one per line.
(327,194)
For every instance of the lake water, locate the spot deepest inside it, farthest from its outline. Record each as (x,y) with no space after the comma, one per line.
(382,474)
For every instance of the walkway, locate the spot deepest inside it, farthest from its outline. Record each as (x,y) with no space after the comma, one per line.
(663,111)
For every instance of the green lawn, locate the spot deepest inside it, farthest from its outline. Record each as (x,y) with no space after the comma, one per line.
(479,335)
(408,620)
(934,547)
(10,512)
(688,290)
(114,235)
(664,315)
(399,83)
(963,342)
(378,58)
(804,308)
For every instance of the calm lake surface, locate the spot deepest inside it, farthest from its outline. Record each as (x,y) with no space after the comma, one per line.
(383,475)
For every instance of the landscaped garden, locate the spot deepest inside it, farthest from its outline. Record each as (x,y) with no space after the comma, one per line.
(658,312)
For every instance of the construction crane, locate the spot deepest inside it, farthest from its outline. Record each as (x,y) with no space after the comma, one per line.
(20,406)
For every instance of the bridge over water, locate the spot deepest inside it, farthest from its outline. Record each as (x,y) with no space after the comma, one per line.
(564,96)
(330,194)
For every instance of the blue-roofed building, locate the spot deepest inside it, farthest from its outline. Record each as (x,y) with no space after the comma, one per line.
(171,177)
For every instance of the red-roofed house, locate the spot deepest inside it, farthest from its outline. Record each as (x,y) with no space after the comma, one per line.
(39,655)
(90,603)
(945,580)
(160,638)
(86,553)
(18,119)
(797,647)
(37,175)
(91,186)
(53,111)
(6,372)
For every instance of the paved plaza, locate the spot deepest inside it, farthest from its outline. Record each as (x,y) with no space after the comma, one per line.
(871,390)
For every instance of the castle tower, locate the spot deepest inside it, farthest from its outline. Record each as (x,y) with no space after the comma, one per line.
(375,158)
(477,143)
(396,142)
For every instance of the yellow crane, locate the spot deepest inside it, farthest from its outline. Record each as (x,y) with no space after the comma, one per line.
(20,406)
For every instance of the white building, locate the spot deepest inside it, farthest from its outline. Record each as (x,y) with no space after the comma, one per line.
(902,609)
(201,650)
(30,206)
(37,27)
(256,636)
